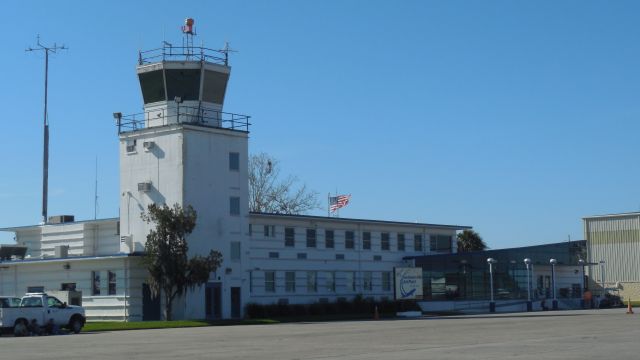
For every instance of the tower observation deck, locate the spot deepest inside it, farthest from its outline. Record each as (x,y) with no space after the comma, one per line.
(183,84)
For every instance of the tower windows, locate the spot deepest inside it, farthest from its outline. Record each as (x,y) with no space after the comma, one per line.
(234,161)
(234,206)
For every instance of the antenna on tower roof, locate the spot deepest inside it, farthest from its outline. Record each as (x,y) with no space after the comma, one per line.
(45,158)
(226,50)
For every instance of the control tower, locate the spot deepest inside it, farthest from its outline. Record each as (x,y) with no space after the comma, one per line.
(184,149)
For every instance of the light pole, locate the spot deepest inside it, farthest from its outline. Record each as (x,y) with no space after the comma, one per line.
(492,303)
(602,276)
(527,262)
(553,263)
(582,290)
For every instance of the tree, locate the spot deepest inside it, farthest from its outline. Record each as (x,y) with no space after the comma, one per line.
(171,273)
(270,194)
(469,240)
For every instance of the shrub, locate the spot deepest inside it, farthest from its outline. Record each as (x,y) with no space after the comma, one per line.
(358,305)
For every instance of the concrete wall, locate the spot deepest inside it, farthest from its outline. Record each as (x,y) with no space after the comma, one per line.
(209,184)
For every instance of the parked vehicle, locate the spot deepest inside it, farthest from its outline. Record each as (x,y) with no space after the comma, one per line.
(9,301)
(38,310)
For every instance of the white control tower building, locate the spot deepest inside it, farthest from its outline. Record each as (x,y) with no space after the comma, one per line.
(185,149)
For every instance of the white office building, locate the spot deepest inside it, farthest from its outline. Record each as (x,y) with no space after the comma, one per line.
(184,149)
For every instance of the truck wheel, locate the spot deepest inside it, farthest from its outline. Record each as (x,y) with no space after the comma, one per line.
(20,328)
(76,325)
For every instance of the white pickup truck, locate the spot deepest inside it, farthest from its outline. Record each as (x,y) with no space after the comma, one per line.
(43,308)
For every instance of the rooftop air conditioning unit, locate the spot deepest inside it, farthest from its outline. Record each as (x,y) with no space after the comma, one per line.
(131,145)
(144,186)
(61,251)
(148,145)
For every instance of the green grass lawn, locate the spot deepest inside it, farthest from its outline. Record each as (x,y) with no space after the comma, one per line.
(138,325)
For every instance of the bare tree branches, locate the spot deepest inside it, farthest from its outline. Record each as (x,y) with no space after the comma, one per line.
(270,194)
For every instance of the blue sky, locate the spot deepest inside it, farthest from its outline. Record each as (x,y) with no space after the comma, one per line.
(516,118)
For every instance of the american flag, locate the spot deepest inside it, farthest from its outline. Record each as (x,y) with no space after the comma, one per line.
(337,202)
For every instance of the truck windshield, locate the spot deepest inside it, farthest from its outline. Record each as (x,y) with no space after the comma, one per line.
(32,302)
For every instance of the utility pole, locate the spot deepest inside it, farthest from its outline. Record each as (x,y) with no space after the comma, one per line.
(45,157)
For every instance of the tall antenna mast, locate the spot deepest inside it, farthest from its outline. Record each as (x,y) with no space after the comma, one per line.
(95,198)
(45,161)
(226,50)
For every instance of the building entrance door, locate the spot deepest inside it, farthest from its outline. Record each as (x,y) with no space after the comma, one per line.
(150,305)
(235,302)
(213,300)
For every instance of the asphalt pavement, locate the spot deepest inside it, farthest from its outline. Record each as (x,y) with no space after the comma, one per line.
(584,334)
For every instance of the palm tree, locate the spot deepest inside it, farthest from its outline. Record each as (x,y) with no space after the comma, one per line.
(469,240)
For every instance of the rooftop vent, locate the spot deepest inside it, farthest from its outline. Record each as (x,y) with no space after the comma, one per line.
(61,219)
(8,252)
(61,251)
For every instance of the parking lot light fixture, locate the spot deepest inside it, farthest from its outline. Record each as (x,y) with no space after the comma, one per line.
(527,262)
(582,287)
(492,303)
(553,263)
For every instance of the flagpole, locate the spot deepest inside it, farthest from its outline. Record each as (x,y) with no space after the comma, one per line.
(329,204)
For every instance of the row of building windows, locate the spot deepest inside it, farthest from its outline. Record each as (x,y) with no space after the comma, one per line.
(436,243)
(327,281)
(299,256)
(96,283)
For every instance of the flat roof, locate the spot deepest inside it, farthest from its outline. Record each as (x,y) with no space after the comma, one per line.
(69,258)
(370,221)
(634,213)
(272,215)
(25,227)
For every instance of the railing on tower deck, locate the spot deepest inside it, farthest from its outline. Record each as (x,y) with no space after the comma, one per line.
(182,115)
(169,52)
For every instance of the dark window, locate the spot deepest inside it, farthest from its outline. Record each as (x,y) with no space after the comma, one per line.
(290,281)
(269,231)
(384,241)
(68,287)
(274,255)
(400,242)
(112,283)
(440,242)
(234,161)
(95,283)
(328,239)
(215,84)
(289,237)
(234,205)
(349,242)
(302,255)
(366,240)
(183,83)
(417,242)
(270,281)
(152,85)
(377,257)
(311,238)
(339,256)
